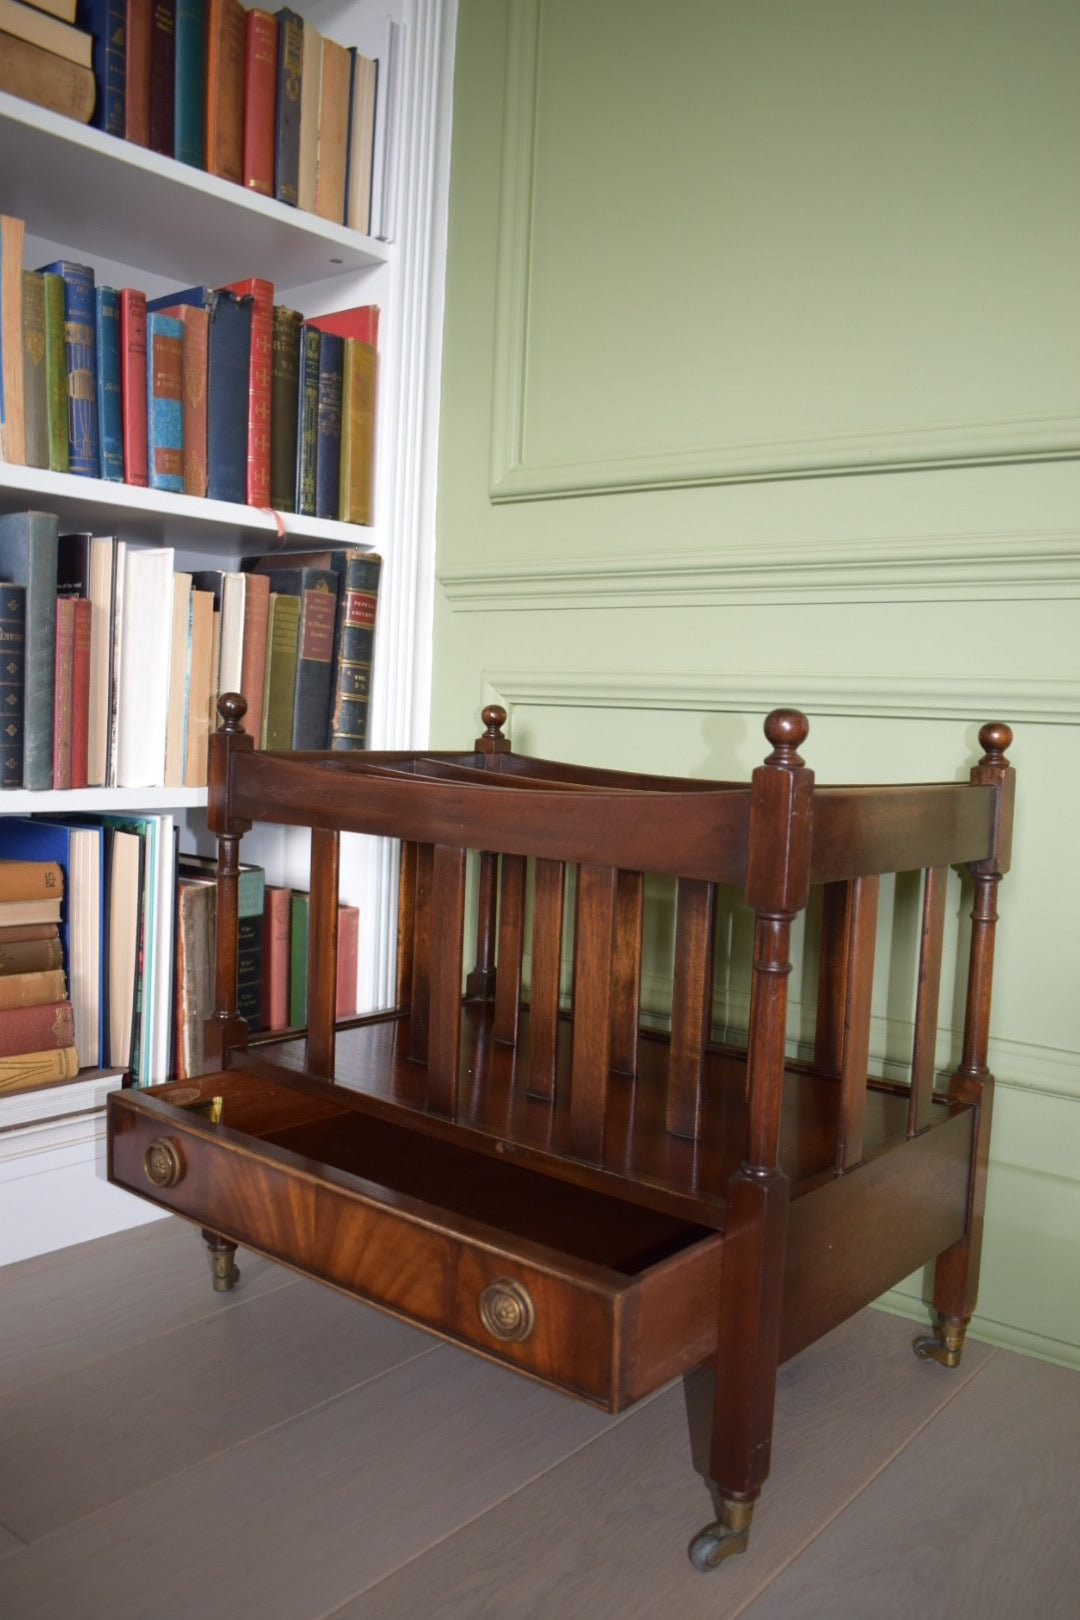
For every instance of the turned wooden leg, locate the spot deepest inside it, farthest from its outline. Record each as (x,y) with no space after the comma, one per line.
(223,1267)
(945,1341)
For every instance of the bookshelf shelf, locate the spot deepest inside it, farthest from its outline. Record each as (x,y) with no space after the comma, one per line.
(98,801)
(116,200)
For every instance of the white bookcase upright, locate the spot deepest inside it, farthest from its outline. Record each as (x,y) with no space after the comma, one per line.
(146,221)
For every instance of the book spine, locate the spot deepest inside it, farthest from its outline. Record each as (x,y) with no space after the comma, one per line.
(28,556)
(354,639)
(260,375)
(24,1070)
(290,68)
(80,692)
(109,402)
(249,967)
(22,956)
(283,403)
(196,354)
(225,89)
(35,380)
(105,21)
(275,985)
(307,420)
(12,673)
(36,1029)
(279,686)
(38,989)
(260,96)
(298,947)
(137,16)
(194,975)
(80,349)
(12,431)
(227,397)
(357,431)
(56,400)
(65,658)
(253,667)
(31,879)
(328,426)
(314,657)
(331,143)
(189,84)
(164,396)
(133,389)
(162,76)
(47,80)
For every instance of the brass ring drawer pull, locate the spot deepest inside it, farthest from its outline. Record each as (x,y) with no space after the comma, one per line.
(506,1310)
(162,1163)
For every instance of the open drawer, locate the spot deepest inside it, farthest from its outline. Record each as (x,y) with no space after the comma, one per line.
(584,1290)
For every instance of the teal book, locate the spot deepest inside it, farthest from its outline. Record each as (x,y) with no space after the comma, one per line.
(29,547)
(80,354)
(109,408)
(189,93)
(164,402)
(299,912)
(228,366)
(35,377)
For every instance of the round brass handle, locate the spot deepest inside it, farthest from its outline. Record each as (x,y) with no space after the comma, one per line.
(162,1163)
(506,1310)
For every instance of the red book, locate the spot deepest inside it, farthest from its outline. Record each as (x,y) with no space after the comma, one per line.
(277,904)
(36,1029)
(253,664)
(361,323)
(225,33)
(259,377)
(137,73)
(133,384)
(260,101)
(348,947)
(65,659)
(80,692)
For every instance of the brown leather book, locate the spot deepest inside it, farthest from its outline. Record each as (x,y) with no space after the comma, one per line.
(137,71)
(225,39)
(333,135)
(48,81)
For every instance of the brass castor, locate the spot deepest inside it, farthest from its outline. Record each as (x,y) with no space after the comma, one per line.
(943,1344)
(729,1535)
(223,1268)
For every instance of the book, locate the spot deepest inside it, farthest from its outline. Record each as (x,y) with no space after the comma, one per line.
(199,685)
(361,138)
(225,32)
(328,425)
(106,22)
(100,593)
(164,402)
(284,383)
(360,321)
(24,1070)
(137,16)
(13,912)
(307,427)
(46,80)
(144,675)
(332,135)
(250,905)
(253,663)
(290,66)
(26,956)
(357,431)
(28,556)
(21,933)
(64,9)
(35,381)
(162,76)
(317,590)
(275,986)
(260,368)
(179,676)
(109,406)
(299,914)
(64,662)
(33,989)
(189,84)
(354,639)
(195,932)
(228,588)
(36,1029)
(152,1025)
(80,352)
(195,349)
(38,28)
(380,39)
(30,877)
(12,430)
(215,651)
(80,692)
(227,381)
(260,100)
(56,400)
(279,686)
(124,889)
(133,386)
(348,951)
(307,141)
(12,673)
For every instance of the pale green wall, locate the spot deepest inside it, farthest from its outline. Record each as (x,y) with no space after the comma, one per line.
(762,384)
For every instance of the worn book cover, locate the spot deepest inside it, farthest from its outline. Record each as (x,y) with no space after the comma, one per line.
(290,67)
(109,406)
(12,670)
(35,378)
(28,555)
(284,385)
(317,590)
(80,346)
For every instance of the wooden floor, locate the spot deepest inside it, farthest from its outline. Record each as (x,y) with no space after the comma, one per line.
(282,1453)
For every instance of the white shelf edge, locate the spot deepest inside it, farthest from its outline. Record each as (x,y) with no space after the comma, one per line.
(98,800)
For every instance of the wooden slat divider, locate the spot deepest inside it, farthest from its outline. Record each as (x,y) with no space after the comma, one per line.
(511,935)
(547,925)
(691,1006)
(481,979)
(421,967)
(406,921)
(626,971)
(322,952)
(833,976)
(862,928)
(597,888)
(926,999)
(444,1029)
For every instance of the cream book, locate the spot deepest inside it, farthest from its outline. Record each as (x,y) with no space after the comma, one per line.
(38,28)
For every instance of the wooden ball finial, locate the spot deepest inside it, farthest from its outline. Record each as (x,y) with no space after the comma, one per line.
(994,738)
(787,730)
(232,707)
(494,718)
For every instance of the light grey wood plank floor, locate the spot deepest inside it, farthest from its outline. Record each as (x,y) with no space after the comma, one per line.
(281,1453)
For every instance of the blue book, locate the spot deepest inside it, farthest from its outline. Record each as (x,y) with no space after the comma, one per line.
(80,354)
(328,429)
(290,73)
(78,849)
(189,97)
(164,402)
(106,22)
(109,408)
(227,369)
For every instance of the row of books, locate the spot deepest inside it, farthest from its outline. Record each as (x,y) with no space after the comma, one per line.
(37,1019)
(203,391)
(258,98)
(114,658)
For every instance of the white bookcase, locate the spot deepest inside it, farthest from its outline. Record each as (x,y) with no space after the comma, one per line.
(145,221)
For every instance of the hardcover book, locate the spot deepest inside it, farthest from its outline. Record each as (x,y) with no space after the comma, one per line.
(332,134)
(228,366)
(109,401)
(225,33)
(26,1070)
(348,951)
(137,16)
(80,692)
(80,348)
(357,431)
(56,400)
(307,143)
(260,99)
(279,684)
(164,402)
(290,66)
(328,425)
(35,380)
(197,723)
(38,28)
(361,137)
(48,81)
(275,992)
(65,659)
(106,22)
(36,1029)
(307,427)
(162,76)
(133,388)
(260,369)
(189,84)
(12,429)
(354,639)
(253,669)
(12,668)
(284,384)
(195,931)
(299,914)
(317,590)
(142,712)
(28,555)
(179,678)
(195,349)
(33,989)
(23,956)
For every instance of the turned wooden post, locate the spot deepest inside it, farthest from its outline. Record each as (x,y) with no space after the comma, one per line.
(225,1027)
(480,983)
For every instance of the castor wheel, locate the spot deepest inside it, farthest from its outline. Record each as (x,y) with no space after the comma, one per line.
(944,1343)
(729,1535)
(223,1271)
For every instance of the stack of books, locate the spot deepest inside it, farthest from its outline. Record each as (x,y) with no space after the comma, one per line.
(37,1020)
(46,60)
(213,392)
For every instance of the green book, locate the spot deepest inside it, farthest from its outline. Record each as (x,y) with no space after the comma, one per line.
(29,548)
(279,681)
(35,410)
(55,372)
(298,944)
